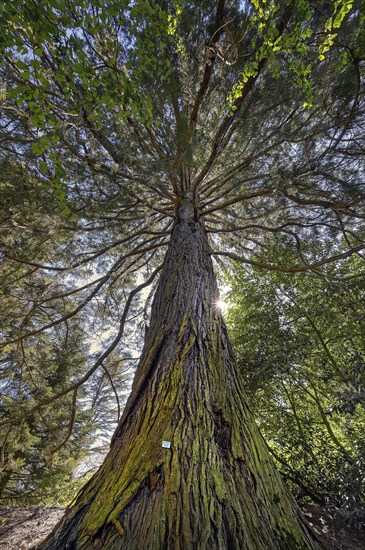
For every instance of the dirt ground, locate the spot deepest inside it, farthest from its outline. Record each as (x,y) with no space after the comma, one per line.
(332,530)
(24,528)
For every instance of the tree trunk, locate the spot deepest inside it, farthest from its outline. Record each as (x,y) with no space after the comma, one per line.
(216,486)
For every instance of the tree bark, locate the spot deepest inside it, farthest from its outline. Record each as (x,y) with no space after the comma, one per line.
(216,487)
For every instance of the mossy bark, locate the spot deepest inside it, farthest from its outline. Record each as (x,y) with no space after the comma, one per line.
(216,487)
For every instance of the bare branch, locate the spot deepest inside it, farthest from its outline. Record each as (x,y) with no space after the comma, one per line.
(70,426)
(295,269)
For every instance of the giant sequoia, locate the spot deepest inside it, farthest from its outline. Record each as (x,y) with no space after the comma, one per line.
(169,134)
(216,486)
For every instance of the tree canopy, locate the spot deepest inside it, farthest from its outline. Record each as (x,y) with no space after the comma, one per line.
(118,115)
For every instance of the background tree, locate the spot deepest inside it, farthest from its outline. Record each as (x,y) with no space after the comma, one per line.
(299,343)
(153,124)
(40,451)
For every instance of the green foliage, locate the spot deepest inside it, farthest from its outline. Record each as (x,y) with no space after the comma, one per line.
(85,53)
(41,449)
(33,469)
(340,10)
(299,341)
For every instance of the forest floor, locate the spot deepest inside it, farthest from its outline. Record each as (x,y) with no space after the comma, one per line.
(24,528)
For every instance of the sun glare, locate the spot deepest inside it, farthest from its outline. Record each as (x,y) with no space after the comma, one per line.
(222,305)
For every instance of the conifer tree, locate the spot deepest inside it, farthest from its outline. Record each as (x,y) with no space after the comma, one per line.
(171,133)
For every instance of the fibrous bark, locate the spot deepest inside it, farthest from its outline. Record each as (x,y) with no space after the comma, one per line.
(216,486)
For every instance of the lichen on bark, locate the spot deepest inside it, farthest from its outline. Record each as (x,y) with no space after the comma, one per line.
(216,486)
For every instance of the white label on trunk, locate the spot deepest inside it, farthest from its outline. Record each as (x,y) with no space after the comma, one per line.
(166,444)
